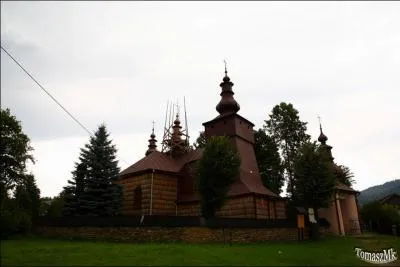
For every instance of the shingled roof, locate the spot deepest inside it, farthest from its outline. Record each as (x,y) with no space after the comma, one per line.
(161,162)
(155,160)
(343,187)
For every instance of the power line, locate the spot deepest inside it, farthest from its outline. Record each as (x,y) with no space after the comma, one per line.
(48,93)
(41,87)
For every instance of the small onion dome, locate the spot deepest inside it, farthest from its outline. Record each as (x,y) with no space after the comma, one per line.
(322,138)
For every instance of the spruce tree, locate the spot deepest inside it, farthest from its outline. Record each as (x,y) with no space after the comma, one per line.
(27,196)
(74,192)
(93,190)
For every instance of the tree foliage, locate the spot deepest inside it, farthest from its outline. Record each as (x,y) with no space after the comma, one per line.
(27,196)
(19,194)
(92,190)
(74,193)
(289,132)
(200,141)
(269,161)
(314,181)
(217,170)
(344,175)
(380,218)
(14,151)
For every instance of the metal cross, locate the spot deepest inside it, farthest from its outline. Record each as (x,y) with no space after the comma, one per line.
(226,72)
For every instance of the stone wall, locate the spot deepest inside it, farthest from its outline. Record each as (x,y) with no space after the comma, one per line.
(172,234)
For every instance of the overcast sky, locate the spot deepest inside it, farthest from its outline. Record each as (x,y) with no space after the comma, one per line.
(119,63)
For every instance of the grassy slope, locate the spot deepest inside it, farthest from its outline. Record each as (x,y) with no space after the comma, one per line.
(332,251)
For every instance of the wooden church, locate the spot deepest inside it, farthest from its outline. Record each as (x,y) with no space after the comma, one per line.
(163,182)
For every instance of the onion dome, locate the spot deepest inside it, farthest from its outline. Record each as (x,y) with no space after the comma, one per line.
(227,104)
(322,137)
(152,143)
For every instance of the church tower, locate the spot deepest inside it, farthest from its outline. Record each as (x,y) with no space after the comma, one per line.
(327,148)
(240,130)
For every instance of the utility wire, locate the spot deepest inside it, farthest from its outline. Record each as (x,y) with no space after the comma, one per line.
(41,87)
(48,93)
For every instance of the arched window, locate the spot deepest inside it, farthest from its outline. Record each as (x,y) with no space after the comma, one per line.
(137,198)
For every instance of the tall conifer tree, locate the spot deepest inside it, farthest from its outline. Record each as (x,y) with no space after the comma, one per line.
(93,190)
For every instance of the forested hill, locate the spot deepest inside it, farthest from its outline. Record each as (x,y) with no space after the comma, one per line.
(379,191)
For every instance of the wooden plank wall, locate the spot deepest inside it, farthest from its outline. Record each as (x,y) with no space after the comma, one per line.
(128,188)
(242,207)
(164,194)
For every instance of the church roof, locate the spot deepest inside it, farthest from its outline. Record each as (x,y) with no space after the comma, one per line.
(343,187)
(162,162)
(253,184)
(159,161)
(156,160)
(248,184)
(225,116)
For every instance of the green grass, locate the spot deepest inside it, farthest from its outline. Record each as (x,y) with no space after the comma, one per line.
(331,251)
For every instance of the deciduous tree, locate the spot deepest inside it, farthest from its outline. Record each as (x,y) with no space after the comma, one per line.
(14,151)
(19,195)
(289,132)
(314,180)
(344,175)
(217,170)
(269,161)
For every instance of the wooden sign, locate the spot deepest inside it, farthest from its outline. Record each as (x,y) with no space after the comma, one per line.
(300,220)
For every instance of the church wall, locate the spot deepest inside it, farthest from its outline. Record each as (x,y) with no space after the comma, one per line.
(191,209)
(350,215)
(239,207)
(330,214)
(270,208)
(242,207)
(186,182)
(280,210)
(220,128)
(244,130)
(164,194)
(128,188)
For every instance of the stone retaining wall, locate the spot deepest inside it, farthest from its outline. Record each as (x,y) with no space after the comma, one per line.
(170,234)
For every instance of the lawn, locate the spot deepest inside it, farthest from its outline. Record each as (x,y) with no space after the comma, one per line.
(331,251)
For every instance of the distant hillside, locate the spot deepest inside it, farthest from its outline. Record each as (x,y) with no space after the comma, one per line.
(379,191)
